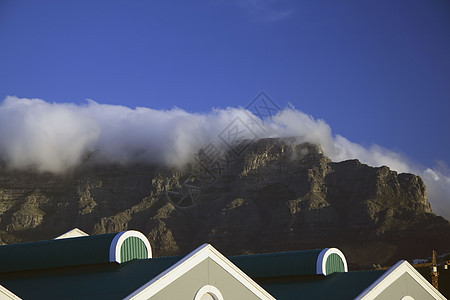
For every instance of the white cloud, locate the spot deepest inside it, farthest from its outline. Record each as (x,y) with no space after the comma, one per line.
(432,174)
(438,187)
(48,136)
(55,137)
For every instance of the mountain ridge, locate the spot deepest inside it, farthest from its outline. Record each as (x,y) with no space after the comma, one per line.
(276,196)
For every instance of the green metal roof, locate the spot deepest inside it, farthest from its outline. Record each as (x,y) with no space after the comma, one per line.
(114,281)
(103,281)
(56,253)
(95,249)
(278,264)
(335,286)
(51,269)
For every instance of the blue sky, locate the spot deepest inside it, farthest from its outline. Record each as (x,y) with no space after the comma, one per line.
(377,71)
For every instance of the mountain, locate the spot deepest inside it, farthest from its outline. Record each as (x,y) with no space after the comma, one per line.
(277,195)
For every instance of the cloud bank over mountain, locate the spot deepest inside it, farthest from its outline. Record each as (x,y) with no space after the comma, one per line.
(55,137)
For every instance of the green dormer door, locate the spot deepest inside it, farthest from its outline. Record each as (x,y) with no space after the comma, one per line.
(334,264)
(133,248)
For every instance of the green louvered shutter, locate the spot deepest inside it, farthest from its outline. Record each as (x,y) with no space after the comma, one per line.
(334,264)
(133,248)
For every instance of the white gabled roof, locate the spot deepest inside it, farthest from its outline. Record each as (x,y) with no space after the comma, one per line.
(190,261)
(392,275)
(71,234)
(7,294)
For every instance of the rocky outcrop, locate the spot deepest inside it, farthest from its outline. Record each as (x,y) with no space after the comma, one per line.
(276,196)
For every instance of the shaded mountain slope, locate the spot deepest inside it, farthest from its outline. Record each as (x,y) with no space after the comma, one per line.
(275,196)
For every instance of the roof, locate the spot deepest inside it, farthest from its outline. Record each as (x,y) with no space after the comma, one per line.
(292,263)
(76,232)
(95,249)
(298,274)
(134,279)
(112,280)
(56,253)
(334,286)
(278,264)
(87,268)
(392,275)
(92,267)
(191,260)
(32,268)
(7,294)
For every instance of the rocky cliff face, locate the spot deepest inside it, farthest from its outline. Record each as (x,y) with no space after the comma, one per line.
(275,196)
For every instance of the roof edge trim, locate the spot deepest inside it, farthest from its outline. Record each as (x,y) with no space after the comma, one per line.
(393,274)
(4,292)
(116,244)
(187,263)
(322,260)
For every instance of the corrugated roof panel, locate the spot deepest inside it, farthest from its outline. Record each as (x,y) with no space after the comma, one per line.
(96,282)
(56,253)
(320,287)
(104,281)
(278,264)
